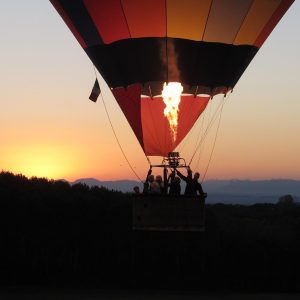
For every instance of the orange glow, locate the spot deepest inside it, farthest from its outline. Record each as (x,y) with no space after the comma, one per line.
(48,127)
(44,160)
(171,94)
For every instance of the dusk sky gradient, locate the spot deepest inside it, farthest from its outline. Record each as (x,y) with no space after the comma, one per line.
(49,128)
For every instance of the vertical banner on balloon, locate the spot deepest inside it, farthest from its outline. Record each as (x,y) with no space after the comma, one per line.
(95,91)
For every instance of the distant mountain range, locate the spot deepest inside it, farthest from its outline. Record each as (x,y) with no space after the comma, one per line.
(117,185)
(223,191)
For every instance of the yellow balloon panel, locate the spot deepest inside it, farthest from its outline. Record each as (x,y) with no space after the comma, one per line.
(225,19)
(260,13)
(187,19)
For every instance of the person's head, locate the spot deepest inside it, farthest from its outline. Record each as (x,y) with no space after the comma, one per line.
(196,176)
(177,180)
(158,179)
(151,178)
(136,189)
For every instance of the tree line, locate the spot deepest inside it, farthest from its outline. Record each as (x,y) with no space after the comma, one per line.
(56,233)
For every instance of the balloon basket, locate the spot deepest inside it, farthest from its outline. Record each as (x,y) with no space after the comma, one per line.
(168,213)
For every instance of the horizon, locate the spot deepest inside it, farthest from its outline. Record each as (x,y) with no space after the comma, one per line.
(49,128)
(136,180)
(240,192)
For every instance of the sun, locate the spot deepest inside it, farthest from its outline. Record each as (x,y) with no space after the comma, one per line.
(42,165)
(41,160)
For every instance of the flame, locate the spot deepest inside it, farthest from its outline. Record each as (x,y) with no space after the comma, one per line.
(171,94)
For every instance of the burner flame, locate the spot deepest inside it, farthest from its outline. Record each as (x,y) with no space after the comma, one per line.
(171,94)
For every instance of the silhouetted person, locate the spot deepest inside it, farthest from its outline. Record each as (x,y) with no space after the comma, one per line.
(136,190)
(154,188)
(175,188)
(193,186)
(160,183)
(174,184)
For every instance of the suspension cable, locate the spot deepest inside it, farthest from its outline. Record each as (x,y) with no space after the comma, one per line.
(202,132)
(148,159)
(207,129)
(118,142)
(114,132)
(95,73)
(215,140)
(187,140)
(201,146)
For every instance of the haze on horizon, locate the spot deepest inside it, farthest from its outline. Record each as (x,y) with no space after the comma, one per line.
(49,128)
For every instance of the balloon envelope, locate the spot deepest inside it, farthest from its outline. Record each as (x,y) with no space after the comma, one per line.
(137,45)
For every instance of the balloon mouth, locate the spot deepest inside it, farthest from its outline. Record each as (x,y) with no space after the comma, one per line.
(171,95)
(204,95)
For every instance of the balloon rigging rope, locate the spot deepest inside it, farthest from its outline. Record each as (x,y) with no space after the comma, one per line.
(116,137)
(201,148)
(187,140)
(208,128)
(120,146)
(201,133)
(148,159)
(215,140)
(96,74)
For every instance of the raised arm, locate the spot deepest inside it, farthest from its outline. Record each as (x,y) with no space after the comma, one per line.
(165,181)
(181,176)
(146,183)
(148,174)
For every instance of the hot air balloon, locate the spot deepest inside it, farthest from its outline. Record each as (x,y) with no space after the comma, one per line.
(165,59)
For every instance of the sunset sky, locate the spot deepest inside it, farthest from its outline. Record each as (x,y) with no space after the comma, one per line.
(49,128)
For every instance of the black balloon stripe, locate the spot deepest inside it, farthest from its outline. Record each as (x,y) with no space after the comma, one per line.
(194,63)
(82,21)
